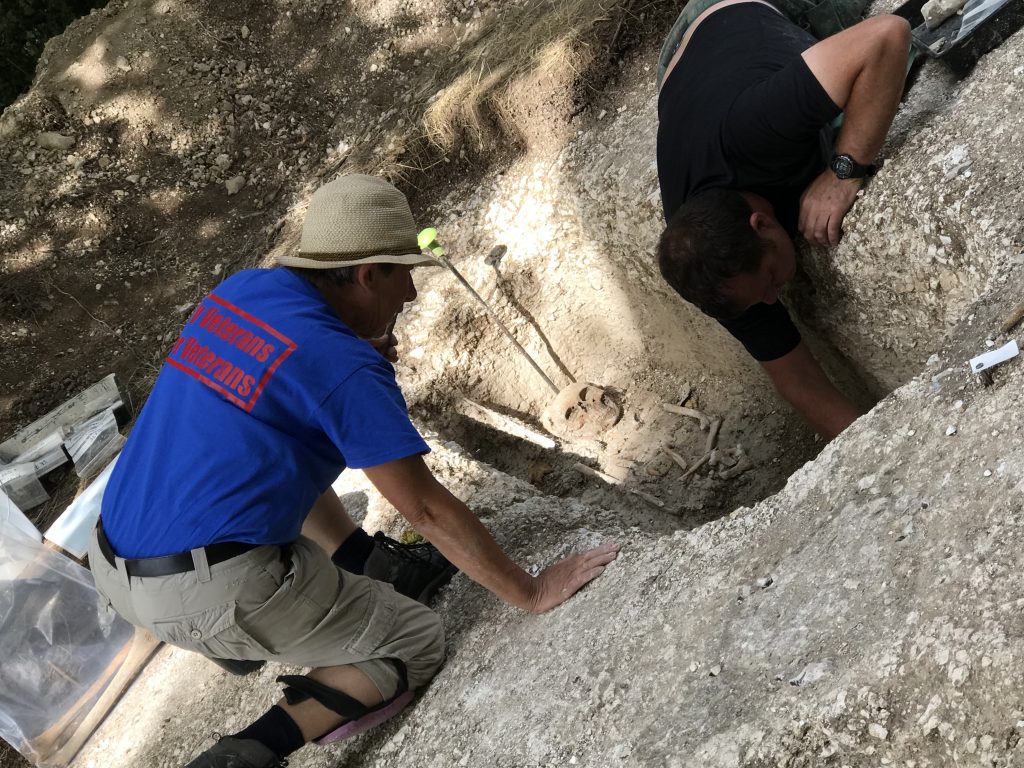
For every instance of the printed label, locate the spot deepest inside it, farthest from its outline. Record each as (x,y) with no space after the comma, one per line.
(230,351)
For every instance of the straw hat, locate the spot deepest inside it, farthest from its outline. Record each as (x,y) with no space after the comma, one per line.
(357,219)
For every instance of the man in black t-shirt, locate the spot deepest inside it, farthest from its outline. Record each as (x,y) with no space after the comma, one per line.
(748,157)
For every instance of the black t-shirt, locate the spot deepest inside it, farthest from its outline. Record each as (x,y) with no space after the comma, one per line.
(742,110)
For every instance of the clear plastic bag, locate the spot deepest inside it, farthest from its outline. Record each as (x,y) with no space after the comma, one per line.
(59,647)
(12,517)
(92,443)
(21,484)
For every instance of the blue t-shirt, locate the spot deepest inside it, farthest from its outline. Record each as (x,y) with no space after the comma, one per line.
(264,399)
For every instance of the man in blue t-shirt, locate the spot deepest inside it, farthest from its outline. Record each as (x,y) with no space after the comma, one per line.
(748,157)
(219,529)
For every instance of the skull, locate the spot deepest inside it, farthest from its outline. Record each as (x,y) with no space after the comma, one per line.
(581,409)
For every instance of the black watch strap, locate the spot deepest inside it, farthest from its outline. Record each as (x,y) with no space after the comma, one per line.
(845,167)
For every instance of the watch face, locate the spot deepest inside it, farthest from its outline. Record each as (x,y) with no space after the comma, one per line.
(843,166)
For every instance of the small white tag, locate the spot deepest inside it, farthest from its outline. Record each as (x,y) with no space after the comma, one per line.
(995,357)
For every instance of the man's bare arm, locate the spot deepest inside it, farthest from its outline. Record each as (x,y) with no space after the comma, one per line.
(863,70)
(798,378)
(451,527)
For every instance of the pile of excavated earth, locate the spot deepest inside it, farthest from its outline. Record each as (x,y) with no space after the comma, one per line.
(789,604)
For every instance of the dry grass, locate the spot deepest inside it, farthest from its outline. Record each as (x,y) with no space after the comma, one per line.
(520,64)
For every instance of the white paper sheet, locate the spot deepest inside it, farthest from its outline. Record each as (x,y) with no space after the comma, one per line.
(994,357)
(71,531)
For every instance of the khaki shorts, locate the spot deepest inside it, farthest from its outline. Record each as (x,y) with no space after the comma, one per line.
(286,604)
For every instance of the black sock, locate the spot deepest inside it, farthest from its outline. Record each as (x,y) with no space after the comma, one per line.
(354,551)
(276,731)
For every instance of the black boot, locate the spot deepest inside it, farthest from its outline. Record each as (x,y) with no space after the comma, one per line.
(414,570)
(230,752)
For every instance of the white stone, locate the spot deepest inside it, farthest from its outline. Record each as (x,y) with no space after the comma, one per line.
(937,11)
(51,140)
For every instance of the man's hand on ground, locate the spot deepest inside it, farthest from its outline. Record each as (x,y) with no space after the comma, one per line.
(823,206)
(558,582)
(460,536)
(862,69)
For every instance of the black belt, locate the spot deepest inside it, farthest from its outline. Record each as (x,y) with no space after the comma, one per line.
(171,564)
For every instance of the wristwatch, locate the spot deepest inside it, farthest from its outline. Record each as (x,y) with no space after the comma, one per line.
(845,167)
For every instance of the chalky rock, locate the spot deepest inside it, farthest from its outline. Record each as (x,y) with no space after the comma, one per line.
(51,140)
(937,11)
(234,184)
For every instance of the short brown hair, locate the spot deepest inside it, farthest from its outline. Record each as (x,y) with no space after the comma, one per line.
(708,241)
